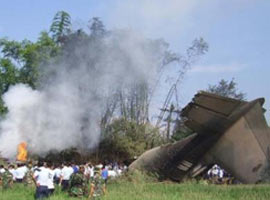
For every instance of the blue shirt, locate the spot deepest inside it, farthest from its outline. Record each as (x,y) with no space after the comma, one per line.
(104,174)
(75,169)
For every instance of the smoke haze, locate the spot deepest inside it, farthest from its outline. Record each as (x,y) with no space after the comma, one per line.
(66,111)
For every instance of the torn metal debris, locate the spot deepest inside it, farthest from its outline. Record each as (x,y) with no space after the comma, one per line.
(231,133)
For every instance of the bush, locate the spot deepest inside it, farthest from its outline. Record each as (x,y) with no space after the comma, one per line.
(124,140)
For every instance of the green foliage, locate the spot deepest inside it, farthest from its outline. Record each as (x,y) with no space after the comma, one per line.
(180,131)
(123,139)
(61,25)
(125,190)
(3,109)
(22,62)
(185,191)
(137,177)
(26,62)
(130,135)
(47,48)
(227,89)
(35,56)
(11,49)
(9,74)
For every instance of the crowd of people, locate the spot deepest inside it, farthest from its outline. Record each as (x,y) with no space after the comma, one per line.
(78,180)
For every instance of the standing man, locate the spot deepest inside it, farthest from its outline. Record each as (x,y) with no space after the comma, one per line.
(105,174)
(41,176)
(57,174)
(28,179)
(20,172)
(78,183)
(75,168)
(98,187)
(65,176)
(92,172)
(12,170)
(89,172)
(51,181)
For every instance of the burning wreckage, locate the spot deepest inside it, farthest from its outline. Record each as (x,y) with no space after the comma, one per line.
(231,133)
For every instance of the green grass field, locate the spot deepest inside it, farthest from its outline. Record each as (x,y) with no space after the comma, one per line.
(124,190)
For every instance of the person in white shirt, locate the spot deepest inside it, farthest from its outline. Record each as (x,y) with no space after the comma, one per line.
(50,181)
(65,176)
(41,176)
(92,172)
(57,174)
(89,171)
(20,172)
(112,174)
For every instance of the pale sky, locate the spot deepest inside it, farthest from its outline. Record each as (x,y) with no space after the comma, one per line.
(237,31)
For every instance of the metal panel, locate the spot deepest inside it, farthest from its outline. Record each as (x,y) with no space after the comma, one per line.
(231,133)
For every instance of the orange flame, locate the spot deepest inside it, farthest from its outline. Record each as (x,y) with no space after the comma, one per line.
(22,152)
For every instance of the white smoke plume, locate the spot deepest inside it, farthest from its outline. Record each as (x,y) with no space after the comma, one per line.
(66,110)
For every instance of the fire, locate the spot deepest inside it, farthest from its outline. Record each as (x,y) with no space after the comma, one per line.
(22,152)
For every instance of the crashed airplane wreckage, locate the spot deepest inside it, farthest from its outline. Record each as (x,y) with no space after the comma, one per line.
(231,133)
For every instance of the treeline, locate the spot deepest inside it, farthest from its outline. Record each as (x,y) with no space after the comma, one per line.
(126,131)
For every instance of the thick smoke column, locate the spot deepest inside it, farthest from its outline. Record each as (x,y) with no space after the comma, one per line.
(66,110)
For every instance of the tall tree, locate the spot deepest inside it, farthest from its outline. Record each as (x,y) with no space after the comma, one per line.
(21,62)
(61,26)
(227,89)
(9,75)
(198,48)
(97,27)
